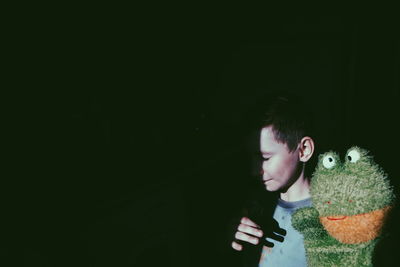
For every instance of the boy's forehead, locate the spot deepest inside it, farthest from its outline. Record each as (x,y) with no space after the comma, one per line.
(268,142)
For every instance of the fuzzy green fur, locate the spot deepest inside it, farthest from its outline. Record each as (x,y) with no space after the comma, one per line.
(357,186)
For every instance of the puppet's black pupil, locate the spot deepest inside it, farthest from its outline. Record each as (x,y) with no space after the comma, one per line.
(349,158)
(330,159)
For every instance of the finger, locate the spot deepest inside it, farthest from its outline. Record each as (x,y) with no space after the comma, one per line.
(246,238)
(247,221)
(276,237)
(236,246)
(277,229)
(268,244)
(250,230)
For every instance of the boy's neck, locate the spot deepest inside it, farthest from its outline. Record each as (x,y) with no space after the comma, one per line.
(299,190)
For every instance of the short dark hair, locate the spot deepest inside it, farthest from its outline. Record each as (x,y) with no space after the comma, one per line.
(290,119)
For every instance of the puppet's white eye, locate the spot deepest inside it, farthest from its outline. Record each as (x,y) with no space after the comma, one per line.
(353,156)
(328,161)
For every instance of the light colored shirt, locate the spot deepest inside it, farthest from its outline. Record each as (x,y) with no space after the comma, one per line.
(290,252)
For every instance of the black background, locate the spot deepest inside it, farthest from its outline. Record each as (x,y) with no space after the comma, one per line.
(133,124)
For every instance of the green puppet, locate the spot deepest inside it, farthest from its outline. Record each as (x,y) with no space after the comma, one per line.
(351,201)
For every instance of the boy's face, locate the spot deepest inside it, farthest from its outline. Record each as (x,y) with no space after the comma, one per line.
(280,167)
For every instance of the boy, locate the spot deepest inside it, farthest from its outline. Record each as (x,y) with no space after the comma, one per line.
(286,147)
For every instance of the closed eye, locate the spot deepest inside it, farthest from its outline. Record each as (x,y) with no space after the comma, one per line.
(266,154)
(263,157)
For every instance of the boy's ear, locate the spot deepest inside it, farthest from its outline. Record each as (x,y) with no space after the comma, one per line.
(306,148)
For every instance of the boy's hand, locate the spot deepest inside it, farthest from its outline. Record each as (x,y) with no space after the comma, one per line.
(247,231)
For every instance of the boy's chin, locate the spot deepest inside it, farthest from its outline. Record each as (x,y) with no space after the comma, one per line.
(271,187)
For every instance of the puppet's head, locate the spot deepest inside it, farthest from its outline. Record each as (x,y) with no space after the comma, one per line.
(352,197)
